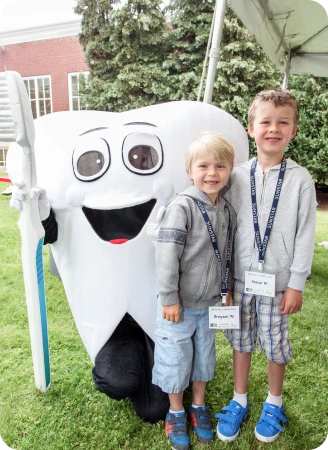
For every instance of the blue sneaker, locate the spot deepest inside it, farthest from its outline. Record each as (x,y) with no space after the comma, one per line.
(269,426)
(201,422)
(176,431)
(229,426)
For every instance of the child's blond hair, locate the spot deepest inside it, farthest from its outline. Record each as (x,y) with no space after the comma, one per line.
(277,96)
(212,142)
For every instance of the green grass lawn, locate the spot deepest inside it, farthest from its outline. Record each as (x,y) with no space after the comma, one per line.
(73,415)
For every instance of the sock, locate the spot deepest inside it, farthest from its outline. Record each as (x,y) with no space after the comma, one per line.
(176,411)
(274,400)
(240,398)
(194,405)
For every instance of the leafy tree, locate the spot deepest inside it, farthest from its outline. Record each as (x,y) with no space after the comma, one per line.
(310,146)
(124,46)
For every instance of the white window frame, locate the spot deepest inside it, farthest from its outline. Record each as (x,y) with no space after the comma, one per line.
(37,99)
(3,153)
(70,93)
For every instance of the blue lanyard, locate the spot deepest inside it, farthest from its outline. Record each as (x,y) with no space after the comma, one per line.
(263,246)
(224,277)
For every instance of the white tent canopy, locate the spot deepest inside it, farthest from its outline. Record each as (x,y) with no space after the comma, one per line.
(298,28)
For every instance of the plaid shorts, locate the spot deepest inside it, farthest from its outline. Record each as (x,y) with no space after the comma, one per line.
(262,323)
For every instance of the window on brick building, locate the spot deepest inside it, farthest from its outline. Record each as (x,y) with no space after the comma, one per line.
(3,156)
(75,102)
(39,92)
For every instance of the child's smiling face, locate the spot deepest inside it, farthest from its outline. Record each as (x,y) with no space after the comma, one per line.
(209,175)
(273,128)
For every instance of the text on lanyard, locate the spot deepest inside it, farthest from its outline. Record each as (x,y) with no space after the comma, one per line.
(263,246)
(225,276)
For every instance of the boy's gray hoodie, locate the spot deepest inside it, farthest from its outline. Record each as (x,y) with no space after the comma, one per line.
(290,248)
(187,268)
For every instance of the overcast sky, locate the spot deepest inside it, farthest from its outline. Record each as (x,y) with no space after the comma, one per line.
(15,14)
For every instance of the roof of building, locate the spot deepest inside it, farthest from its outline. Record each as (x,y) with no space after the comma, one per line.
(42,32)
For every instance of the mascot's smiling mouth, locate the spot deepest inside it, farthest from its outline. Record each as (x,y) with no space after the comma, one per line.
(118,226)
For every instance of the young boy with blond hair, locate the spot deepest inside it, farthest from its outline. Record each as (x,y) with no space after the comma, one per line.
(192,260)
(274,199)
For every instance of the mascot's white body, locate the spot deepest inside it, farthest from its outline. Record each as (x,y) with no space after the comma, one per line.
(106,176)
(90,164)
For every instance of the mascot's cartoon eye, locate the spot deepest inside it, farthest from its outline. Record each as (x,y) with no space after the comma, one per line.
(142,153)
(90,163)
(143,157)
(91,158)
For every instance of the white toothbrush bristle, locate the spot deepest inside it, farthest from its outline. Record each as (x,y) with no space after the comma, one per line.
(7,128)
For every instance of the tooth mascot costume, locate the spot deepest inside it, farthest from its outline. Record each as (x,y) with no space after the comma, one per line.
(106,175)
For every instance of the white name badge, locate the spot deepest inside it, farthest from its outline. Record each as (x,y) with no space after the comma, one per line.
(224,317)
(260,283)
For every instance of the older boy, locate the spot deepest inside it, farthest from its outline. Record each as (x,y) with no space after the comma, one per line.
(274,199)
(191,278)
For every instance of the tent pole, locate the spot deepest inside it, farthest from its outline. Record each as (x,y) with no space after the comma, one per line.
(221,6)
(287,70)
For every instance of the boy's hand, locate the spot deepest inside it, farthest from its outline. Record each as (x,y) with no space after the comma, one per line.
(171,312)
(229,299)
(291,301)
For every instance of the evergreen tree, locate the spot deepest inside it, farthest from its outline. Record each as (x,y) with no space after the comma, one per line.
(190,23)
(135,59)
(95,37)
(243,70)
(124,46)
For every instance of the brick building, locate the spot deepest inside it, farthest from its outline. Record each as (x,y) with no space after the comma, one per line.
(50,59)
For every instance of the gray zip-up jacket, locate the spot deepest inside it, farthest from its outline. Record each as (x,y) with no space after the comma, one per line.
(187,268)
(290,249)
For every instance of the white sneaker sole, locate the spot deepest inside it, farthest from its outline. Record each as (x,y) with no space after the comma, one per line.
(7,191)
(227,438)
(264,438)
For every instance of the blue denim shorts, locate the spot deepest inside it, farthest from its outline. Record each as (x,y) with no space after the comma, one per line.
(184,351)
